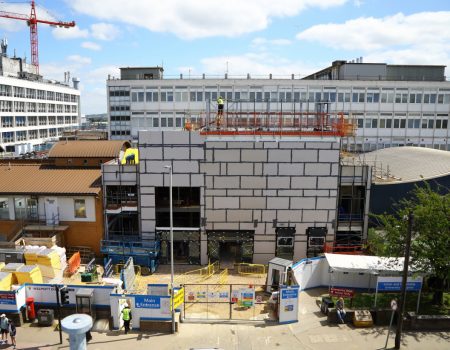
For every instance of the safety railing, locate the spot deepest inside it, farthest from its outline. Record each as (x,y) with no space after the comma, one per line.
(223,277)
(251,269)
(198,275)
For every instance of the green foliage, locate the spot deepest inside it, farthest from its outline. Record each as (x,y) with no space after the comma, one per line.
(430,245)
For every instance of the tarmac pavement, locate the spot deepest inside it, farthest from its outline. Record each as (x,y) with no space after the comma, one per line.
(311,332)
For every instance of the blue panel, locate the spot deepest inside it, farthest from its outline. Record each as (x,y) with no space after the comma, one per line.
(397,286)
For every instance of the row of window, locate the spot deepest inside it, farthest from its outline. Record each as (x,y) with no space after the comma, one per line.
(32,107)
(397,123)
(27,208)
(10,122)
(21,92)
(120,133)
(183,94)
(23,135)
(355,97)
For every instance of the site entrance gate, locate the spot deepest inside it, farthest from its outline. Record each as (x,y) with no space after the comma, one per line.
(216,302)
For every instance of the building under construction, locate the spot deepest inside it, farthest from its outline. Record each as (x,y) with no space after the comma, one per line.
(246,188)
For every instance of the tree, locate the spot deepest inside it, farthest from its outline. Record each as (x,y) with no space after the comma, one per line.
(430,246)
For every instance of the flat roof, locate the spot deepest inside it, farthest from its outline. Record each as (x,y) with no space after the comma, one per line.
(35,179)
(404,164)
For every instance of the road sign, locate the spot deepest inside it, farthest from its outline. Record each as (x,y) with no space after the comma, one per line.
(342,292)
(394,304)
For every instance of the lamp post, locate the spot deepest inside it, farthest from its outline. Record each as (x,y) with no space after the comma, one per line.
(171,247)
(401,309)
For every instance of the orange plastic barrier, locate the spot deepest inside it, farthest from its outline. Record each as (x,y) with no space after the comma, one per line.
(74,263)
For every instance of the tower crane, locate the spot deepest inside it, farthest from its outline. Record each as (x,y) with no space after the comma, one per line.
(32,22)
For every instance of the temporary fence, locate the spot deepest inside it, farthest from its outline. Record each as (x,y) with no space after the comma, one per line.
(251,269)
(198,275)
(108,268)
(74,263)
(223,277)
(213,302)
(128,275)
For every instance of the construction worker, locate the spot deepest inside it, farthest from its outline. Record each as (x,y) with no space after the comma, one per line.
(219,116)
(126,317)
(188,125)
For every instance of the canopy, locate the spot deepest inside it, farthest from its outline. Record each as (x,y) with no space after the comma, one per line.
(364,264)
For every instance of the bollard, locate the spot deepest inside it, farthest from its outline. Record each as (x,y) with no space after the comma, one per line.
(76,326)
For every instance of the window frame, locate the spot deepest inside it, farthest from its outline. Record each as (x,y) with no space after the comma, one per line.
(77,214)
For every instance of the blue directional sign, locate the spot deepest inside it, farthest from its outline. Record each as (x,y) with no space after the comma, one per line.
(394,284)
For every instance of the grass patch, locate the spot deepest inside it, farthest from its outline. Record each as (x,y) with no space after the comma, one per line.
(366,301)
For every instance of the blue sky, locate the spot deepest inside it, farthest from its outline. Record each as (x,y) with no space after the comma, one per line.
(281,37)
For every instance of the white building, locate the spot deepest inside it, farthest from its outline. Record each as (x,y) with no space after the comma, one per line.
(391,105)
(33,111)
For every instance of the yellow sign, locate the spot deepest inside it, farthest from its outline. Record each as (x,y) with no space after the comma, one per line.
(178,298)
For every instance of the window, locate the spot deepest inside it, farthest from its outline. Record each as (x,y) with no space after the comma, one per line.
(316,242)
(80,208)
(4,209)
(285,241)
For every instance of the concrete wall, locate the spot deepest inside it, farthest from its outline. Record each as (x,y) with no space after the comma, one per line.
(250,184)
(245,184)
(184,152)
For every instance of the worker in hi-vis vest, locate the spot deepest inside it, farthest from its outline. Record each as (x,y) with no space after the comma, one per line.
(220,104)
(126,317)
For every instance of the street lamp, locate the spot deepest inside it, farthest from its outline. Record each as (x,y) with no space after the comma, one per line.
(171,247)
(401,309)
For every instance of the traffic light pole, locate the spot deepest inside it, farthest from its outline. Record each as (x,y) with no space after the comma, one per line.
(401,309)
(58,305)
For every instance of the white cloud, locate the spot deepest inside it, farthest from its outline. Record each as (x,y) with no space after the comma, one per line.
(91,46)
(369,33)
(258,65)
(70,33)
(100,74)
(420,38)
(104,31)
(192,19)
(77,59)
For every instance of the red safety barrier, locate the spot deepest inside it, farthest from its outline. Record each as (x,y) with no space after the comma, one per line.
(74,263)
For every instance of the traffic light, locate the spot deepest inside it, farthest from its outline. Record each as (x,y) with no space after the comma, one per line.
(64,295)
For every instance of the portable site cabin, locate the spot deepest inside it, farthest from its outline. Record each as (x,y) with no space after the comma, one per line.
(277,273)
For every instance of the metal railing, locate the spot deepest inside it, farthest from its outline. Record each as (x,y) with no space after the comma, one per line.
(251,269)
(198,275)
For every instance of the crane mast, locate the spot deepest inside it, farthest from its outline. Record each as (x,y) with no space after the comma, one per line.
(32,22)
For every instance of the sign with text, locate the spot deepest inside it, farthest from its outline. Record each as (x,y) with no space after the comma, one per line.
(8,298)
(247,297)
(288,311)
(342,292)
(147,302)
(394,284)
(178,298)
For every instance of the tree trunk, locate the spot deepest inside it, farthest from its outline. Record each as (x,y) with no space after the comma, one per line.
(437,285)
(438,297)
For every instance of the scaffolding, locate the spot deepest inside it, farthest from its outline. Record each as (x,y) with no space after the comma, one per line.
(272,118)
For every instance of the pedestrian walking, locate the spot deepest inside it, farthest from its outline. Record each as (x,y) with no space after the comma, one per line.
(4,328)
(126,317)
(12,333)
